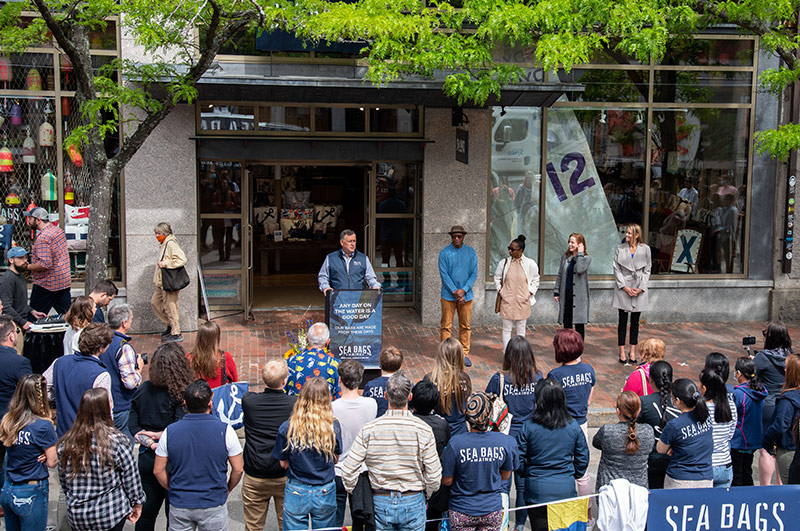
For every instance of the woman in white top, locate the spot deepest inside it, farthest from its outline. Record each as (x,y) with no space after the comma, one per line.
(516,279)
(78,317)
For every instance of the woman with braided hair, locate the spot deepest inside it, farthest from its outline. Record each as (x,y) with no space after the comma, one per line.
(476,466)
(625,446)
(657,410)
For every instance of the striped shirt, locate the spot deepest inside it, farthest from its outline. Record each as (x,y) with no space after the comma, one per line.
(50,251)
(722,433)
(399,450)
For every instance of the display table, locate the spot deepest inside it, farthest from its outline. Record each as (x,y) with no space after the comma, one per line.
(312,247)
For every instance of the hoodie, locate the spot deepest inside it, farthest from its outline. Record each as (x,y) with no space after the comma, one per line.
(771,369)
(779,431)
(749,429)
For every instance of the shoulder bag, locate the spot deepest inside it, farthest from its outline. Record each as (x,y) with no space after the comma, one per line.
(501,418)
(173,279)
(226,401)
(499,299)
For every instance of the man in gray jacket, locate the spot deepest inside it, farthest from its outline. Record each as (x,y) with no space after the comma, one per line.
(14,292)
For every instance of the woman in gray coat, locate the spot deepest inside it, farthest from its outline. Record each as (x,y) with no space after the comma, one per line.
(632,263)
(572,285)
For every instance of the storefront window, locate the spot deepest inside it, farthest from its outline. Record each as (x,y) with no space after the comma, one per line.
(280,118)
(516,180)
(608,85)
(595,181)
(220,195)
(698,190)
(383,120)
(227,118)
(702,87)
(710,52)
(340,119)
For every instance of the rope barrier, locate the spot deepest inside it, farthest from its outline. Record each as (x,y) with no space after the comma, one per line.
(510,510)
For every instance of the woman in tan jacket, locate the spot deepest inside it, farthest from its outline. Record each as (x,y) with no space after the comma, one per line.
(165,303)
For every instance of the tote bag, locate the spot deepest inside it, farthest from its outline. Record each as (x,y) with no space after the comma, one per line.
(226,402)
(173,279)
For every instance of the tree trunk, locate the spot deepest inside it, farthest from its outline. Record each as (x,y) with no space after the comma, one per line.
(99,226)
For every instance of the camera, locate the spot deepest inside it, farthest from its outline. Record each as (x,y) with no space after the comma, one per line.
(145,360)
(748,340)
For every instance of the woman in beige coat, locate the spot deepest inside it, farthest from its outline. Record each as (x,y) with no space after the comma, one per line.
(632,263)
(516,279)
(165,303)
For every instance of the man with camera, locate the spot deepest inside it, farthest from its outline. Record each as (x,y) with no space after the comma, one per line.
(124,365)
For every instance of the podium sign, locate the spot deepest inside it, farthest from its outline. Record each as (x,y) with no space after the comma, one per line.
(355,318)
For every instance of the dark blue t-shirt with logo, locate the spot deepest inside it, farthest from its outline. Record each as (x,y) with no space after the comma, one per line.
(692,445)
(577,381)
(520,400)
(375,389)
(474,461)
(307,466)
(32,441)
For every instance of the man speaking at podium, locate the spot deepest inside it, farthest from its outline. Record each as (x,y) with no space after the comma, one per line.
(346,268)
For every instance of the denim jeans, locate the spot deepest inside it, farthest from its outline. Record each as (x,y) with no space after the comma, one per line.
(121,423)
(399,513)
(301,501)
(723,476)
(25,506)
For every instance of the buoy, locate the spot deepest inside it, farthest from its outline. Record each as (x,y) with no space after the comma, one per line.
(69,192)
(49,187)
(6,160)
(34,80)
(28,149)
(46,135)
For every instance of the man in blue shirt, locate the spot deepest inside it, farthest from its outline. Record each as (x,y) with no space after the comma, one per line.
(346,268)
(458,267)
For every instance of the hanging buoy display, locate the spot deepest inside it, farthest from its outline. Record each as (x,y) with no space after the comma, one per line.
(6,160)
(75,155)
(47,135)
(5,69)
(69,191)
(16,113)
(50,187)
(28,149)
(34,80)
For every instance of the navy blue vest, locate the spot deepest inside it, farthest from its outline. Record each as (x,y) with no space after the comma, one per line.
(122,395)
(199,460)
(73,375)
(337,270)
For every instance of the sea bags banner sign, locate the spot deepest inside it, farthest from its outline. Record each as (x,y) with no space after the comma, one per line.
(756,508)
(355,318)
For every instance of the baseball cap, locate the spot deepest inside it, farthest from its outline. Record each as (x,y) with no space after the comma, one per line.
(17,252)
(38,213)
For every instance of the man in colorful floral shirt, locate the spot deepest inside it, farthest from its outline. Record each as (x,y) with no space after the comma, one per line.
(314,362)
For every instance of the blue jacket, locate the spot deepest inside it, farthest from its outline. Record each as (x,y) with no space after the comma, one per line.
(779,431)
(749,428)
(121,394)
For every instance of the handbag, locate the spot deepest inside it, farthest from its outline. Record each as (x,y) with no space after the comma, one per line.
(501,418)
(226,400)
(173,279)
(499,299)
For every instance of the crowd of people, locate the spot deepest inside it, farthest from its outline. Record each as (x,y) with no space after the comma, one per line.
(401,455)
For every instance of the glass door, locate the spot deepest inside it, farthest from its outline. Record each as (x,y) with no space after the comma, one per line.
(223,245)
(394,226)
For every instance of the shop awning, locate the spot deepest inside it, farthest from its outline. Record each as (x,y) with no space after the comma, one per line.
(355,91)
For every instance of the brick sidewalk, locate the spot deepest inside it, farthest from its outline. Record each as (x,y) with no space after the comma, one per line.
(687,346)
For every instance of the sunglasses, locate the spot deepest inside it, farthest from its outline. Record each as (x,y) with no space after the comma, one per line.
(512,249)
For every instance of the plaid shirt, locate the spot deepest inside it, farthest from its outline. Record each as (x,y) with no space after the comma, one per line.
(99,497)
(311,363)
(127,367)
(50,251)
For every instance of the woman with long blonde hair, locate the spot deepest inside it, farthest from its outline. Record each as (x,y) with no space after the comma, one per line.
(632,263)
(453,383)
(206,357)
(27,432)
(97,469)
(308,446)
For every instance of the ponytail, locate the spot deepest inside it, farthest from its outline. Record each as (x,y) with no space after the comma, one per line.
(686,391)
(661,378)
(747,368)
(629,406)
(715,390)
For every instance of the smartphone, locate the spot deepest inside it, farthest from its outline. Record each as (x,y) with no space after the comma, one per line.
(748,340)
(144,440)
